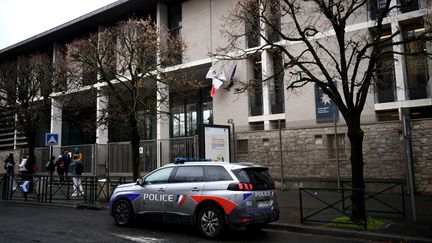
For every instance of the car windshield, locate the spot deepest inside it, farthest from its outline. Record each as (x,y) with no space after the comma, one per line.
(259,177)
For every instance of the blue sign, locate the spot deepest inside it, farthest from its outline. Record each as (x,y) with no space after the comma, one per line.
(326,109)
(51,139)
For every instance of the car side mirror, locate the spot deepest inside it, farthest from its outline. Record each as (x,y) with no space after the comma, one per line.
(140,181)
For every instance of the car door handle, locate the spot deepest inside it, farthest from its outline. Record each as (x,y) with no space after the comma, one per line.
(195,189)
(161,190)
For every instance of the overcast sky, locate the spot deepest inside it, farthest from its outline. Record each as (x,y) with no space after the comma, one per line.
(22,19)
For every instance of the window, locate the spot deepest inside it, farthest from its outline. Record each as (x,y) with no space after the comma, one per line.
(189,174)
(159,177)
(332,146)
(259,177)
(217,173)
(253,26)
(277,86)
(409,5)
(385,84)
(376,7)
(255,94)
(274,21)
(242,146)
(416,62)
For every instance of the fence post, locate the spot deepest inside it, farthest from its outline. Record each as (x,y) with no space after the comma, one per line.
(301,205)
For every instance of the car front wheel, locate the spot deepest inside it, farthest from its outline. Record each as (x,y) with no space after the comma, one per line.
(123,213)
(210,222)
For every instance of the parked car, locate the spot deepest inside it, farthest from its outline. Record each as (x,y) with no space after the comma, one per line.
(210,195)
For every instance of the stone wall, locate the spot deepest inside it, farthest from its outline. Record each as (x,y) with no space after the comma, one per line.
(306,155)
(422,154)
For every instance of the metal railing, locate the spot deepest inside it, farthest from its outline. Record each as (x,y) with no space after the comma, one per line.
(55,189)
(323,205)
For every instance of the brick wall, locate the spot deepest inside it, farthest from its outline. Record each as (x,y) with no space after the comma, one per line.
(306,155)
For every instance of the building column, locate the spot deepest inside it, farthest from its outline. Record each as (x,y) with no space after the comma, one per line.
(163,124)
(101,150)
(101,130)
(267,72)
(56,123)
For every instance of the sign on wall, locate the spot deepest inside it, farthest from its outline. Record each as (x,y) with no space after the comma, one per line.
(325,108)
(216,143)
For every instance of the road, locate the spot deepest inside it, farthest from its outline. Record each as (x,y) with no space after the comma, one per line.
(33,223)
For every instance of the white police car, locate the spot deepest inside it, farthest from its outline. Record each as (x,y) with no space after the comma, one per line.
(211,195)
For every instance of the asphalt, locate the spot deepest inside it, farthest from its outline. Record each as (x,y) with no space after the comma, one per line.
(396,229)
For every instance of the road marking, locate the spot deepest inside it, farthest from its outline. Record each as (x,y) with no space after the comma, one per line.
(140,239)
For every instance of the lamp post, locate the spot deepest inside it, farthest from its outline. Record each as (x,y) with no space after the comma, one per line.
(231,121)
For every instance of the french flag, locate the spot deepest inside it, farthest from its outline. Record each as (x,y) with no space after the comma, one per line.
(218,80)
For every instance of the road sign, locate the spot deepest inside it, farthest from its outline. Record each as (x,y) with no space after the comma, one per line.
(51,139)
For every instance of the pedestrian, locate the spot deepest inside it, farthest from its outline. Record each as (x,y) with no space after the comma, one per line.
(50,166)
(76,169)
(10,184)
(9,164)
(61,167)
(78,153)
(23,165)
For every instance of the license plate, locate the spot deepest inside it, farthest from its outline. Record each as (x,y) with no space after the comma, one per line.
(263,204)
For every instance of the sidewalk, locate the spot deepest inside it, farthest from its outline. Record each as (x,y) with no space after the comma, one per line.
(397,230)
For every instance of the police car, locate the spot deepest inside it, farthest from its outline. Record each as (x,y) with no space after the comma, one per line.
(210,195)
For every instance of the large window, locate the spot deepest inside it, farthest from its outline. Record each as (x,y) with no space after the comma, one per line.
(277,86)
(253,26)
(189,111)
(256,90)
(385,84)
(416,62)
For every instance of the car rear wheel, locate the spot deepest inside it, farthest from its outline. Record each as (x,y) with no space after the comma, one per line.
(123,213)
(210,222)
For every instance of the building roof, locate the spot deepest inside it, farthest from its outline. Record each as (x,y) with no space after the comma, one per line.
(109,14)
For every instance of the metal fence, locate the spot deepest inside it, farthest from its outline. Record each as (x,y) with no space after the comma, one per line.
(116,158)
(322,205)
(47,189)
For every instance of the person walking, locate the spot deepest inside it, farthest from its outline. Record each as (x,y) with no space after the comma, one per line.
(23,165)
(9,165)
(50,168)
(61,165)
(76,169)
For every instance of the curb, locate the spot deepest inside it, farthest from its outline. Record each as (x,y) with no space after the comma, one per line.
(345,233)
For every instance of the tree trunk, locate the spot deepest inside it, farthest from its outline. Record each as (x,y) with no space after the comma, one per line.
(355,135)
(135,143)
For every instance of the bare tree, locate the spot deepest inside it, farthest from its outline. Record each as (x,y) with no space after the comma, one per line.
(319,49)
(25,86)
(128,64)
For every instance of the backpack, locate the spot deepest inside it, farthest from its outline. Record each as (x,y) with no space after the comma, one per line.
(61,165)
(79,168)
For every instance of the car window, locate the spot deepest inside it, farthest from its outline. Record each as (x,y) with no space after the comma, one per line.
(189,174)
(160,176)
(260,177)
(217,173)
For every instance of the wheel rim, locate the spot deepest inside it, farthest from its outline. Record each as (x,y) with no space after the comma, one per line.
(209,222)
(122,213)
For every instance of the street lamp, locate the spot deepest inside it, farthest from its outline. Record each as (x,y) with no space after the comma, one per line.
(231,121)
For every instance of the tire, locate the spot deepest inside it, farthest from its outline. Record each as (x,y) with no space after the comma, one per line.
(256,227)
(210,222)
(123,213)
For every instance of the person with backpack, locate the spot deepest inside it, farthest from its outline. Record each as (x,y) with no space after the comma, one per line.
(76,169)
(62,164)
